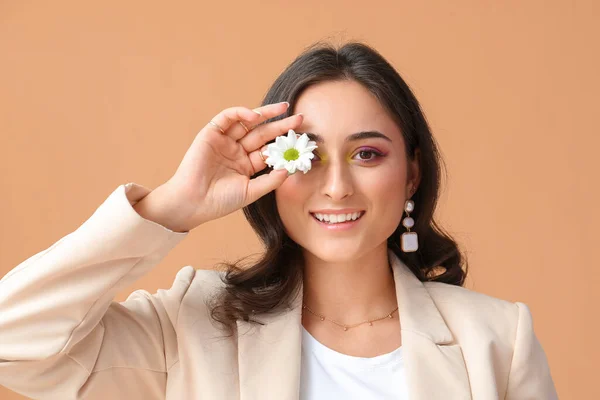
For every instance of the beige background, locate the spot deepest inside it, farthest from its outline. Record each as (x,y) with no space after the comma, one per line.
(92,96)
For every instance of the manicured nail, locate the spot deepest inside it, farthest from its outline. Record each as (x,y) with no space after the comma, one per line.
(285,102)
(258,112)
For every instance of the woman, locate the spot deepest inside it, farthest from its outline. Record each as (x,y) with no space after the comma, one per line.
(360,309)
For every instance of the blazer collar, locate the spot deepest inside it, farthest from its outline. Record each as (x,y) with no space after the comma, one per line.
(269,356)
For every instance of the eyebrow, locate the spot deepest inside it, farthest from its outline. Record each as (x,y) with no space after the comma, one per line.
(354,137)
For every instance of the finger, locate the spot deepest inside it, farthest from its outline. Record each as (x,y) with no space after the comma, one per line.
(257,162)
(265,183)
(267,112)
(267,132)
(231,119)
(272,110)
(230,116)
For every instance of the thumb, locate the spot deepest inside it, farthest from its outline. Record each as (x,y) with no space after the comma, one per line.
(263,184)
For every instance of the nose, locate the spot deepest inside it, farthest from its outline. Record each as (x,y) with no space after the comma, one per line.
(337,180)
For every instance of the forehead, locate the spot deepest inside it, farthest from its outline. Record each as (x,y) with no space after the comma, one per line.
(335,109)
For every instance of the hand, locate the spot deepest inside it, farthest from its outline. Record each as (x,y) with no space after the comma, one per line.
(213,179)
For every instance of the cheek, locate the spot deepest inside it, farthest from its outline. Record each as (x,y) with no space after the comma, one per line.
(290,199)
(379,186)
(384,184)
(290,190)
(385,192)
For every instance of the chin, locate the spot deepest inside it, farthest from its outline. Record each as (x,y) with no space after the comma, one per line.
(332,253)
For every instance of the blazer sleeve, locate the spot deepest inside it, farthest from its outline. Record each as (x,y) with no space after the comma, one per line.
(61,334)
(529,377)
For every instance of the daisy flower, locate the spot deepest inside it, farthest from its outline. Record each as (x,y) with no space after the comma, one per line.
(291,152)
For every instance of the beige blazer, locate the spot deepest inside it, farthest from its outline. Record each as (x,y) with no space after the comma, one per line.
(63,337)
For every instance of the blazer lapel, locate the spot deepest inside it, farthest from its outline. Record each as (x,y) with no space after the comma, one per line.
(434,363)
(269,355)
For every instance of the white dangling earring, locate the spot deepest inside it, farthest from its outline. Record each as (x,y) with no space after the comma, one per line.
(410,240)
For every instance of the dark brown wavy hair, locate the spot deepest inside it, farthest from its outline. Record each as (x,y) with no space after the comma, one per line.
(269,283)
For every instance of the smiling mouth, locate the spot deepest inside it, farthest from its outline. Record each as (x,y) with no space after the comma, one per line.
(329,219)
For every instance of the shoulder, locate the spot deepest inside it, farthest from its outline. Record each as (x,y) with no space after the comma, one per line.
(466,310)
(462,296)
(199,285)
(495,331)
(209,276)
(188,275)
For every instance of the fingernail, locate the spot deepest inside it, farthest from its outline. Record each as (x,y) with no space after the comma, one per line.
(285,102)
(300,114)
(258,112)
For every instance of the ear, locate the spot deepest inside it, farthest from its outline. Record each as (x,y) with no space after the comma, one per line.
(414,174)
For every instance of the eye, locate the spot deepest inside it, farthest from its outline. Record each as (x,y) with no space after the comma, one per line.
(368,155)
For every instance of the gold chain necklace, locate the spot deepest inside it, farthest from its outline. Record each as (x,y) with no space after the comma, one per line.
(346,327)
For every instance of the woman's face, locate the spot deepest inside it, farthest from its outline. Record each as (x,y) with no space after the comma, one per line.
(368,175)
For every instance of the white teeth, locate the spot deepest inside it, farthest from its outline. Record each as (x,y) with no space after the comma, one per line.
(335,218)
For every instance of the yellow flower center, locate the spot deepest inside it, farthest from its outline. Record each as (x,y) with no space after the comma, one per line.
(291,154)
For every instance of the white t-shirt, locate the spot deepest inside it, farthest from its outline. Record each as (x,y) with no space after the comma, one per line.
(329,375)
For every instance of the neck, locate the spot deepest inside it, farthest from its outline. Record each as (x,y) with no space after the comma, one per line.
(350,291)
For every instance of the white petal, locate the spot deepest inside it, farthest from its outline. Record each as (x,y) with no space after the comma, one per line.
(292,138)
(308,162)
(291,167)
(308,149)
(275,152)
(273,146)
(279,164)
(271,161)
(302,142)
(281,143)
(304,165)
